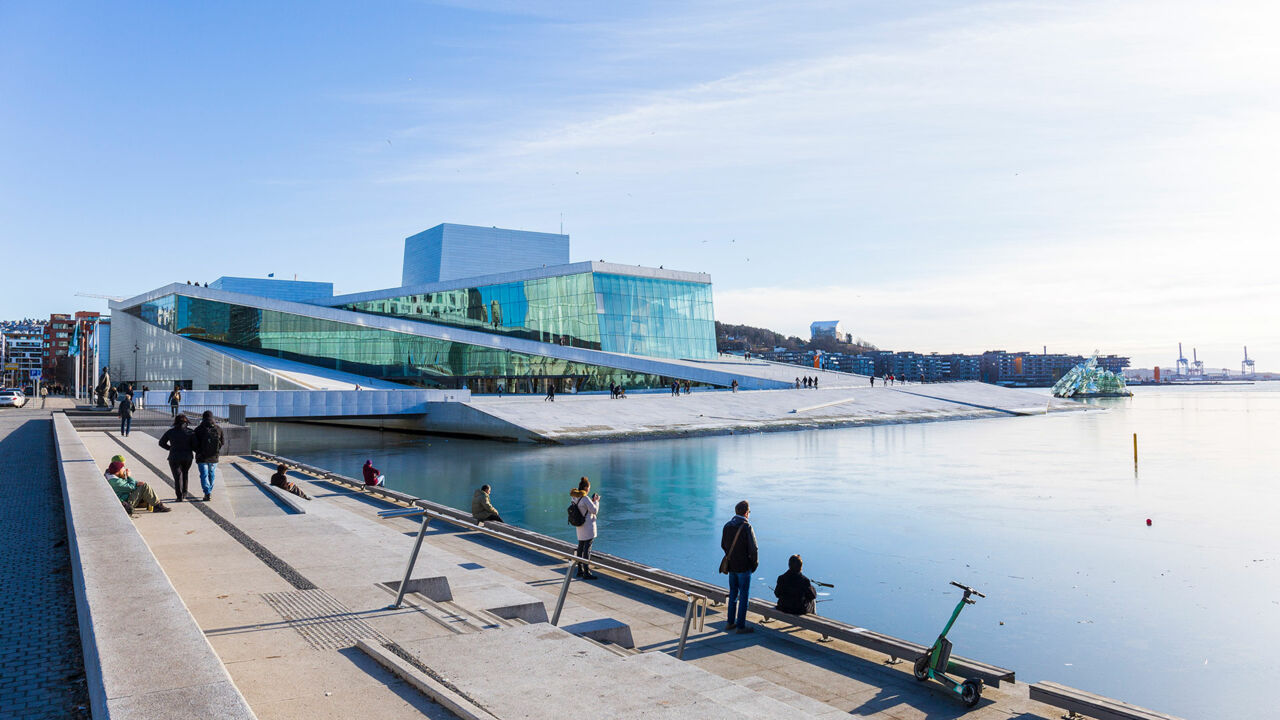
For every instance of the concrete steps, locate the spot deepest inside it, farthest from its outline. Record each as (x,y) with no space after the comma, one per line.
(540,671)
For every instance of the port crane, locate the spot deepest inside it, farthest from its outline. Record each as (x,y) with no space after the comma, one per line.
(1246,365)
(1197,365)
(1183,368)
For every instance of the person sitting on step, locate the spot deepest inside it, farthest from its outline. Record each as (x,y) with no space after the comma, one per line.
(132,493)
(283,482)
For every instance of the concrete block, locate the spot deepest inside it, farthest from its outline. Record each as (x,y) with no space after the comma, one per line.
(432,588)
(603,630)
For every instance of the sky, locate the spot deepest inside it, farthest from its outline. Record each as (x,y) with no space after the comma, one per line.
(940,176)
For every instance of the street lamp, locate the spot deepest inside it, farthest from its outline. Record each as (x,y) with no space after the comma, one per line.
(135,362)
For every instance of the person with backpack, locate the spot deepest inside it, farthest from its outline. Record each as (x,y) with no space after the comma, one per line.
(208,438)
(180,441)
(741,558)
(582,515)
(175,398)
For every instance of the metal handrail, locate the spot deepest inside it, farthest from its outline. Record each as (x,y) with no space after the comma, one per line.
(695,610)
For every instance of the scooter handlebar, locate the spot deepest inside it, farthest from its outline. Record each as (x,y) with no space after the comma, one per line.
(967,589)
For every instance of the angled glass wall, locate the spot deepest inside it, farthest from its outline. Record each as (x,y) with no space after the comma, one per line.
(600,311)
(373,352)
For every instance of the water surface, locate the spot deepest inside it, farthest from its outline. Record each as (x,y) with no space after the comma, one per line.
(1046,515)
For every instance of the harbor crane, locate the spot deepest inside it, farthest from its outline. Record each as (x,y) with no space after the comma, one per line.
(1183,368)
(1197,365)
(1246,365)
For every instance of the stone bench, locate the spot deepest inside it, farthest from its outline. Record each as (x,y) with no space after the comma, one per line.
(1087,703)
(135,632)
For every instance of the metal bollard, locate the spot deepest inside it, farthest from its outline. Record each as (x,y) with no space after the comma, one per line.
(684,632)
(564,591)
(413,558)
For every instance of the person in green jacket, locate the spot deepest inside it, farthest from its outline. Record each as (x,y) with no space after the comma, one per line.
(132,493)
(481,509)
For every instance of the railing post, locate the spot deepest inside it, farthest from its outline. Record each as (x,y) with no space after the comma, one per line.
(413,558)
(684,632)
(564,591)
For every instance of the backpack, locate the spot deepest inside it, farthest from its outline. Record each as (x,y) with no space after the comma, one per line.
(210,442)
(576,517)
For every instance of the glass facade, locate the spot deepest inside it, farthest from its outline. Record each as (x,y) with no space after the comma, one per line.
(600,311)
(373,352)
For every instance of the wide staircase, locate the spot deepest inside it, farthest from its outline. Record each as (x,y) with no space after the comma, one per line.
(541,671)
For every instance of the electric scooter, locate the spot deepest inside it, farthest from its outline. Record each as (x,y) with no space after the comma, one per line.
(933,664)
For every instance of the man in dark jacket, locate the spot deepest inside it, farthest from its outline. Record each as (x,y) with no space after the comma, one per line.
(741,558)
(126,415)
(180,441)
(794,591)
(208,438)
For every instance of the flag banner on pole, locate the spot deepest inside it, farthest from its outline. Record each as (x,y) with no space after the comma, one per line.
(75,341)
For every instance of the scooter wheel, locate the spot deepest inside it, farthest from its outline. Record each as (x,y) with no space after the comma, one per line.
(921,669)
(971,692)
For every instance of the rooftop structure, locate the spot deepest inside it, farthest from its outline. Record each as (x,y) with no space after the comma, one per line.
(829,328)
(454,252)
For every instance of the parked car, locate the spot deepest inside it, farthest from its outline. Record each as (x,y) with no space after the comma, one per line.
(12,398)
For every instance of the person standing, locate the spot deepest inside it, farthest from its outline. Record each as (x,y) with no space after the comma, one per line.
(551,392)
(741,558)
(112,394)
(208,437)
(126,414)
(590,508)
(180,441)
(175,398)
(44,395)
(483,510)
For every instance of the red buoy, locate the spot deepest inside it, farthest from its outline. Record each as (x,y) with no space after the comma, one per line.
(1148,522)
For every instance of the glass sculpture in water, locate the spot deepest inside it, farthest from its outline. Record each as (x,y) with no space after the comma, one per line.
(1089,380)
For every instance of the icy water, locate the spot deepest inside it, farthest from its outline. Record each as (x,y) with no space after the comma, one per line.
(1046,515)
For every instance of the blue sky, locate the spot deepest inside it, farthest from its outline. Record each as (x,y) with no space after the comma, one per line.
(939,175)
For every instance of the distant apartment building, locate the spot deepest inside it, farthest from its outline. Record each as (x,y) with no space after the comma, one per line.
(22,348)
(996,366)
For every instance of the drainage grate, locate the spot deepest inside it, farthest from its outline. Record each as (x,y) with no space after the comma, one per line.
(323,621)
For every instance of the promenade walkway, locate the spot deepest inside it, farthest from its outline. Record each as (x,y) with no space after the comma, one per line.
(284,596)
(41,667)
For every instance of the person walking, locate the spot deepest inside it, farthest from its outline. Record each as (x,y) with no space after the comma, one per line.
(741,558)
(142,399)
(590,508)
(734,385)
(126,415)
(112,394)
(483,510)
(180,441)
(873,381)
(44,396)
(175,398)
(208,437)
(551,392)
(795,592)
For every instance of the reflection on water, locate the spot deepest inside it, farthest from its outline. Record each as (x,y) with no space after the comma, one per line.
(1046,515)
